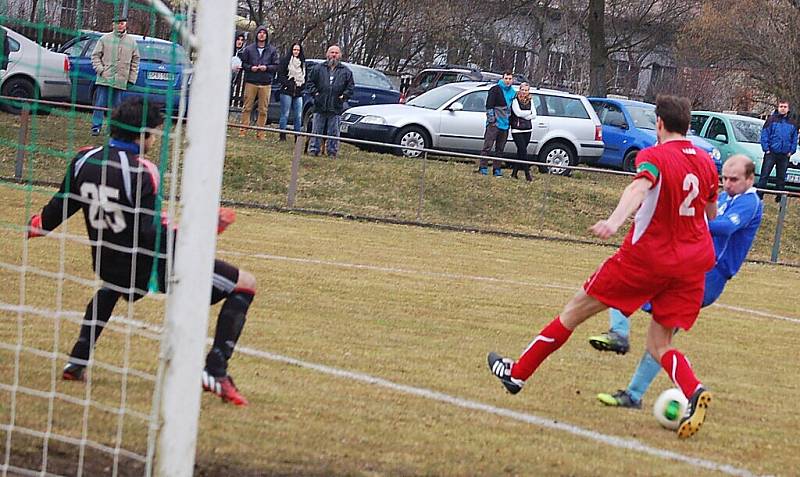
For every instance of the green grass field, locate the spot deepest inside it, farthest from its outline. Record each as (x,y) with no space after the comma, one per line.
(395,315)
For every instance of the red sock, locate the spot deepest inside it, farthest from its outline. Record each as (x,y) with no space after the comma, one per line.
(680,371)
(548,340)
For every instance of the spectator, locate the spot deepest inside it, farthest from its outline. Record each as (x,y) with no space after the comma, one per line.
(260,63)
(115,58)
(292,75)
(5,49)
(498,107)
(236,61)
(522,113)
(779,142)
(330,84)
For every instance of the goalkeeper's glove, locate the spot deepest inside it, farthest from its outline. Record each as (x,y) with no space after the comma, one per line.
(35,227)
(226,217)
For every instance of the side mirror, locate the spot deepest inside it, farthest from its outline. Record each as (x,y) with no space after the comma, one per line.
(721,138)
(456,107)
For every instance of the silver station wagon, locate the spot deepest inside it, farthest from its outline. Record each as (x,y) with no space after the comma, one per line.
(453,118)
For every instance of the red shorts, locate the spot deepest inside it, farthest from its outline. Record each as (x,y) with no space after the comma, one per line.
(626,286)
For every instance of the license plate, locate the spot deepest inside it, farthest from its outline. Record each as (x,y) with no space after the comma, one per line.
(344,127)
(160,76)
(794,178)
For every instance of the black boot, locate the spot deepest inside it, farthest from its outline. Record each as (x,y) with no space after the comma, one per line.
(282,137)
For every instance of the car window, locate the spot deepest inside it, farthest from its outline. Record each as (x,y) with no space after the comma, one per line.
(715,128)
(446,78)
(746,131)
(475,101)
(76,48)
(599,108)
(13,45)
(565,107)
(538,103)
(364,76)
(697,123)
(435,98)
(426,79)
(643,117)
(612,115)
(158,52)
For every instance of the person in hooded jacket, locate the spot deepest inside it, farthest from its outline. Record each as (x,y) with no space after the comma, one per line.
(292,76)
(498,109)
(260,63)
(779,142)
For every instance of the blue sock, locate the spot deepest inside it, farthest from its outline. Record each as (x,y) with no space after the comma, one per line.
(619,322)
(645,373)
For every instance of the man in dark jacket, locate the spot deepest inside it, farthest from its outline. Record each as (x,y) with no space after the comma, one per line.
(260,63)
(498,110)
(330,85)
(5,49)
(779,142)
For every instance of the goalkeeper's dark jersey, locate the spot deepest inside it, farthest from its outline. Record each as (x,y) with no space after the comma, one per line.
(117,191)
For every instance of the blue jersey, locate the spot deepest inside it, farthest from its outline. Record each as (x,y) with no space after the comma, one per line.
(734,229)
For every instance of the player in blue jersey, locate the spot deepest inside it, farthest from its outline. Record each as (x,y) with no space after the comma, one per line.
(739,213)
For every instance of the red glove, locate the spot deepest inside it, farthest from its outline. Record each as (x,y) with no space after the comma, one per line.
(35,227)
(226,217)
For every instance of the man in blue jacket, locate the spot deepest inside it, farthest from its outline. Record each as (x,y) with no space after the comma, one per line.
(739,213)
(779,142)
(498,110)
(259,63)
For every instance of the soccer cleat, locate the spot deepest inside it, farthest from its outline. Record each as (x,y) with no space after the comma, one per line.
(224,388)
(610,341)
(73,372)
(695,413)
(620,398)
(501,368)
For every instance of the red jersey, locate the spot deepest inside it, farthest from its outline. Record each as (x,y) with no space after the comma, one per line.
(670,233)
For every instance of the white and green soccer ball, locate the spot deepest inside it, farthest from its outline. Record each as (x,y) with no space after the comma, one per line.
(670,407)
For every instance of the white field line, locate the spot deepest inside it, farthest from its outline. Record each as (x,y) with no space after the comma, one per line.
(614,441)
(458,276)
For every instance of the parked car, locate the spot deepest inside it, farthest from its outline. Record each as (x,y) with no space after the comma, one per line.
(737,134)
(33,72)
(162,65)
(453,118)
(371,87)
(436,76)
(630,126)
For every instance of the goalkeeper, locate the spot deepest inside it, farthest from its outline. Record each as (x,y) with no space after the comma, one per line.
(117,188)
(739,213)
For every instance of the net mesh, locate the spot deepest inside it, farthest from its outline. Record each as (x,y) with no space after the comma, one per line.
(106,425)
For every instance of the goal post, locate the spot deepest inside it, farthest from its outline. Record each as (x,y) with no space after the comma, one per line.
(183,345)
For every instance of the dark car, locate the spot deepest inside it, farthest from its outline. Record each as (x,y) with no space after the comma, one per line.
(433,77)
(161,68)
(371,87)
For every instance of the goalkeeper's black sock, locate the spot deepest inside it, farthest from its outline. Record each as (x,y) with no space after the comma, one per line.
(230,323)
(98,312)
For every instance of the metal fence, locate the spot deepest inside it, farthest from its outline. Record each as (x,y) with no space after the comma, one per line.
(301,145)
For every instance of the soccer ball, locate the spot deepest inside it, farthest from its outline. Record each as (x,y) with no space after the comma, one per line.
(670,407)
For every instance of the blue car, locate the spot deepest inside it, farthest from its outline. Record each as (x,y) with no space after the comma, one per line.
(630,126)
(161,68)
(371,87)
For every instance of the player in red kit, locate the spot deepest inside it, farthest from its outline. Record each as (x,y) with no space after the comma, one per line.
(663,260)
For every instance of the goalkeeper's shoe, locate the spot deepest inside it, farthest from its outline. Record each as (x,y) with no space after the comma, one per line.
(501,368)
(224,388)
(73,372)
(695,413)
(610,341)
(620,398)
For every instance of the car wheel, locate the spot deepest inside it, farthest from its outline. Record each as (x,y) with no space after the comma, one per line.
(17,88)
(557,154)
(629,162)
(415,138)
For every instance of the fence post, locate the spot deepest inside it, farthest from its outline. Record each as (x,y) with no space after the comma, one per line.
(776,244)
(422,186)
(22,141)
(298,151)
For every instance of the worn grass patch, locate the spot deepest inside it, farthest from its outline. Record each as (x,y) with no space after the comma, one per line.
(420,308)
